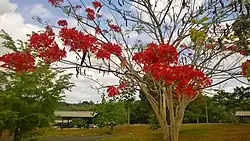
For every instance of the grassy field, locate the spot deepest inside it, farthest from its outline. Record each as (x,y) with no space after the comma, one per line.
(189,132)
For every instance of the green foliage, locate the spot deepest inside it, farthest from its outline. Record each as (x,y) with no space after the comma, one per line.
(110,113)
(28,100)
(221,107)
(154,123)
(197,36)
(241,30)
(140,112)
(81,106)
(9,43)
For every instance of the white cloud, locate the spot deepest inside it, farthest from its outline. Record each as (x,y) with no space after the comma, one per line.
(13,23)
(7,7)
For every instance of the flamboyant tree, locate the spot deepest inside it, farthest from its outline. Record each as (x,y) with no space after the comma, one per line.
(178,48)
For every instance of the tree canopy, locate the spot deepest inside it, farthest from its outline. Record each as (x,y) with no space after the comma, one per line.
(28,100)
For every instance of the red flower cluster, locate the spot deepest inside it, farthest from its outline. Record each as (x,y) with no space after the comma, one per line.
(113,91)
(46,47)
(90,13)
(62,23)
(157,54)
(102,54)
(19,61)
(56,2)
(78,41)
(96,4)
(186,79)
(245,67)
(107,49)
(122,85)
(114,27)
(52,54)
(243,52)
(161,61)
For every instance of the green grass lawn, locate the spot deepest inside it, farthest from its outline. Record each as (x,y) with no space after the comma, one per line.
(189,132)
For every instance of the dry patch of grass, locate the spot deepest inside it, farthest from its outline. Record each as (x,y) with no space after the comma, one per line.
(189,132)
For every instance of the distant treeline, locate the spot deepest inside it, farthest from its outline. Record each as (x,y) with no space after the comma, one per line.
(219,108)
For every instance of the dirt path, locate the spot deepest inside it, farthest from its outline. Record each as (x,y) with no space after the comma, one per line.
(75,138)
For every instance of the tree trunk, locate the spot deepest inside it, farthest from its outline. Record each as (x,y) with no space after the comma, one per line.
(170,116)
(128,115)
(16,135)
(168,134)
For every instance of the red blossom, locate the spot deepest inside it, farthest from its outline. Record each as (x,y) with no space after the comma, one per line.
(52,54)
(18,61)
(90,13)
(77,41)
(62,23)
(186,79)
(56,2)
(96,4)
(162,53)
(232,48)
(112,91)
(107,49)
(161,61)
(243,52)
(122,85)
(105,31)
(114,27)
(45,46)
(98,30)
(102,54)
(112,48)
(245,67)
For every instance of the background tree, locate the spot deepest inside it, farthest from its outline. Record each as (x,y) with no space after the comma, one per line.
(110,113)
(81,106)
(28,100)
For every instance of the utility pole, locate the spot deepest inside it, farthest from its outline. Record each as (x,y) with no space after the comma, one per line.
(206,108)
